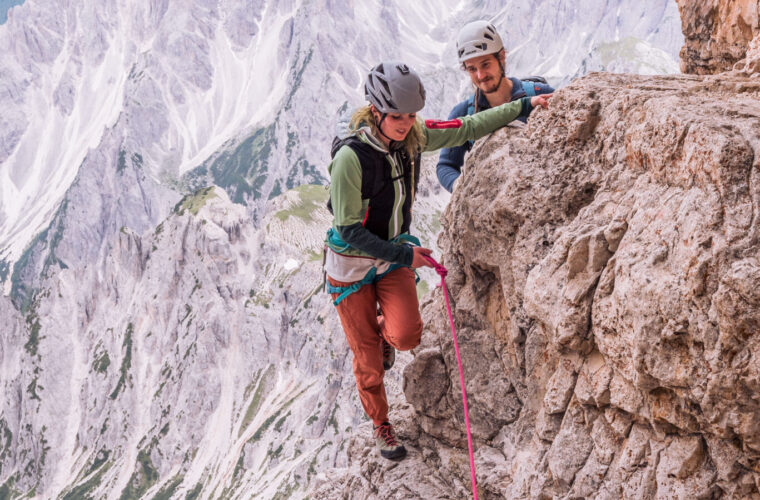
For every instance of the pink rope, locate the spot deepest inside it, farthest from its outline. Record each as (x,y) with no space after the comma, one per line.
(442,272)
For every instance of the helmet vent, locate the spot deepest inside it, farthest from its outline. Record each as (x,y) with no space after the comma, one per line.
(380,69)
(385,85)
(403,69)
(478,38)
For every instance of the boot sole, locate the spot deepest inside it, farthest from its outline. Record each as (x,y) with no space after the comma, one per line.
(396,454)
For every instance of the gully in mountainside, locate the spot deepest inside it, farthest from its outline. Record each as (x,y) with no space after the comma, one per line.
(370,256)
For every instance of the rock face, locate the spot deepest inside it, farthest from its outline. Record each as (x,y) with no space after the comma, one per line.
(750,65)
(717,33)
(603,264)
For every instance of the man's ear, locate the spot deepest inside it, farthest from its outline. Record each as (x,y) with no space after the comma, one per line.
(502,56)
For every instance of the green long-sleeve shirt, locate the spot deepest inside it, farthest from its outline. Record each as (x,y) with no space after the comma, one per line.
(349,209)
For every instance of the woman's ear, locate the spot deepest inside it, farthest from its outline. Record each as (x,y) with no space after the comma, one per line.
(375,113)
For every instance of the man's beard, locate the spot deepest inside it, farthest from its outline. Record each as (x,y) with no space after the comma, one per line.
(490,86)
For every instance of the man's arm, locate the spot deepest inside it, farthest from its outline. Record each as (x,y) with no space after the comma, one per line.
(450,161)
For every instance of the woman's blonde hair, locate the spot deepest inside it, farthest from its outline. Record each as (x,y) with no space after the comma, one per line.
(413,142)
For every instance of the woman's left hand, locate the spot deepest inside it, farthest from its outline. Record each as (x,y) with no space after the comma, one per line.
(541,100)
(419,259)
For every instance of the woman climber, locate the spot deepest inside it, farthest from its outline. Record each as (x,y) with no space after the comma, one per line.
(370,255)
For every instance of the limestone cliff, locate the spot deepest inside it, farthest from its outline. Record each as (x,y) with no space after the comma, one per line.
(604,265)
(717,33)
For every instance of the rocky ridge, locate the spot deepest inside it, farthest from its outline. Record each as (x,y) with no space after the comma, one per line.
(603,266)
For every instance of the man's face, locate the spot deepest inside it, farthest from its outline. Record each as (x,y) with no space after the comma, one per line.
(484,72)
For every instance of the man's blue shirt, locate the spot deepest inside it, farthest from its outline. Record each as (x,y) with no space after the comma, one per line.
(451,160)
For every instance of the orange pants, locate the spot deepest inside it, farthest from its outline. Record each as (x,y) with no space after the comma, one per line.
(400,325)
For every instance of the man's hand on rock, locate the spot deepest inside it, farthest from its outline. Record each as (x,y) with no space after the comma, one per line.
(541,100)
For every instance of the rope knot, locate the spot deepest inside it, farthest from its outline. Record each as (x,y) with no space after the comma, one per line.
(442,271)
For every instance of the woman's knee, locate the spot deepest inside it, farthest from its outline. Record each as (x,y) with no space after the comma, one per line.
(407,337)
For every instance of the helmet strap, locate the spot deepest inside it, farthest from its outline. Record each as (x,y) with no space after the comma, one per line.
(380,129)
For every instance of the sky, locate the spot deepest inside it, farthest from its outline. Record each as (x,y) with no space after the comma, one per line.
(4,6)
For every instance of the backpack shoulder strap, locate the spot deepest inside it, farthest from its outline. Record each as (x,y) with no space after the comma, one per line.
(338,143)
(528,88)
(470,111)
(471,105)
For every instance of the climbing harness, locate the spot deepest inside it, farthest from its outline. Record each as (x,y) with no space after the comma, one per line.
(442,272)
(371,277)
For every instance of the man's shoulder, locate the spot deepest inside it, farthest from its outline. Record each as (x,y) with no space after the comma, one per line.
(460,109)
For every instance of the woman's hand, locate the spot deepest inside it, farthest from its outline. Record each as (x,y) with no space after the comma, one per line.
(419,259)
(541,100)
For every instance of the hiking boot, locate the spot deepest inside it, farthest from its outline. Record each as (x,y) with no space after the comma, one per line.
(389,355)
(385,440)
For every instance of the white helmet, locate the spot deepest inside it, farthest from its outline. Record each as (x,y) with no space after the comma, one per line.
(477,38)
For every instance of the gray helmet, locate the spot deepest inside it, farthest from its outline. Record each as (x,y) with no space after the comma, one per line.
(477,38)
(394,88)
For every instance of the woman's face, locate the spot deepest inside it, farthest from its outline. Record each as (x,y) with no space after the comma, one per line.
(396,126)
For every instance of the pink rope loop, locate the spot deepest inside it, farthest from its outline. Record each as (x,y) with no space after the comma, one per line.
(442,272)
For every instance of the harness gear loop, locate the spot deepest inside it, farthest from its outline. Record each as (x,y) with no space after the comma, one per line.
(338,245)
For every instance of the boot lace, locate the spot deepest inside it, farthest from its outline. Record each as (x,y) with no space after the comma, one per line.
(385,431)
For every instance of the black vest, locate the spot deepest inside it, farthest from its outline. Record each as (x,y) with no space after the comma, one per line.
(377,184)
